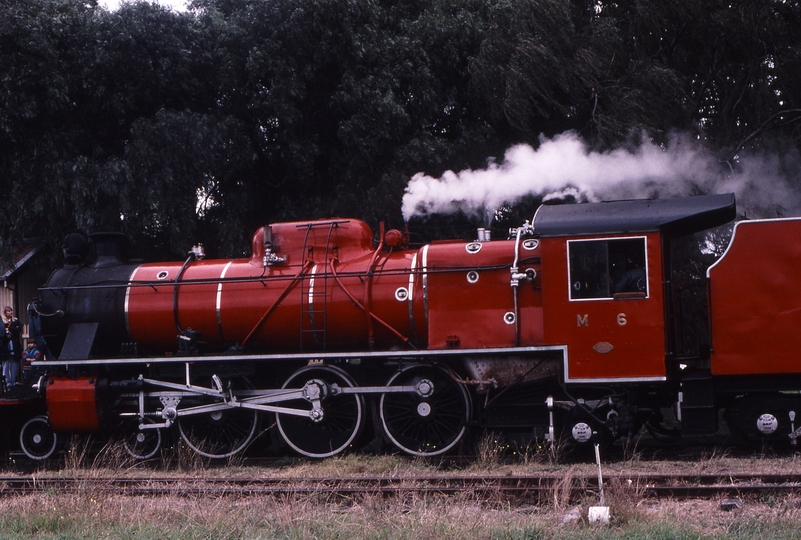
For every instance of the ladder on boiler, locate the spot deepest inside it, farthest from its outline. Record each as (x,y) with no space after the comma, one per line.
(314,289)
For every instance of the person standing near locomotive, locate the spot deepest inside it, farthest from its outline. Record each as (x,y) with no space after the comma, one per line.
(35,332)
(30,354)
(13,330)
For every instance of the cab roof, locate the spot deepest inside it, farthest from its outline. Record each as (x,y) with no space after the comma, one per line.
(673,216)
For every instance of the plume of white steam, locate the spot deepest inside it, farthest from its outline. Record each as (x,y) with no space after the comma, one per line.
(564,167)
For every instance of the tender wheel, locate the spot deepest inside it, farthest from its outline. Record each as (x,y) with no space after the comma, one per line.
(141,443)
(37,439)
(763,417)
(220,433)
(425,425)
(335,427)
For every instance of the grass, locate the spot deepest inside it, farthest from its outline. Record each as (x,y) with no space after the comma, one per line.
(62,516)
(86,514)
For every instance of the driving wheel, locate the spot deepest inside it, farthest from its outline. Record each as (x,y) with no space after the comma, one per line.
(334,425)
(430,421)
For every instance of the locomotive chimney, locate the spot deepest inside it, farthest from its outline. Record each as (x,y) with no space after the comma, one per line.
(108,247)
(75,247)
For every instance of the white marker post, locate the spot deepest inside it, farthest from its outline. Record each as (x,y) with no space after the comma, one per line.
(599,514)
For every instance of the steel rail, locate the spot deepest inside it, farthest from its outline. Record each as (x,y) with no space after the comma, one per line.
(537,488)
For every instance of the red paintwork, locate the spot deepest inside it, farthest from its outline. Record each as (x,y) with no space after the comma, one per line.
(267,308)
(755,300)
(270,305)
(638,351)
(71,403)
(471,315)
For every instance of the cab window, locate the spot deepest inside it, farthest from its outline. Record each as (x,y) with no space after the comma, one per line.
(606,268)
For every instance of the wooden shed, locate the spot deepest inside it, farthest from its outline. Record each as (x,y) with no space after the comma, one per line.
(20,280)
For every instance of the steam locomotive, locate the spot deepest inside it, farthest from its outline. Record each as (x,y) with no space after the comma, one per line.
(589,321)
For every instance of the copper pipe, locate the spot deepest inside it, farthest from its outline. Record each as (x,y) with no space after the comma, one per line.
(280,298)
(368,288)
(372,316)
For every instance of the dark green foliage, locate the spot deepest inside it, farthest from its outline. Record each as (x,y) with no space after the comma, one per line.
(608,70)
(295,109)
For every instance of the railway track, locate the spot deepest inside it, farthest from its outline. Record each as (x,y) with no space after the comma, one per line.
(531,489)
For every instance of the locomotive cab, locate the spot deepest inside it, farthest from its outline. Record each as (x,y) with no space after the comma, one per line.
(604,297)
(609,300)
(607,282)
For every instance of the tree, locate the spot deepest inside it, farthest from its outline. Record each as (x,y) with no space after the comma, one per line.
(179,128)
(613,70)
(82,88)
(345,100)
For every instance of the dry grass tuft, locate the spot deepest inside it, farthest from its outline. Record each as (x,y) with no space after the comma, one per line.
(495,449)
(624,498)
(562,492)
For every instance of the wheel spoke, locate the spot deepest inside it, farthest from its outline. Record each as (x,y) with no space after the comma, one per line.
(222,433)
(425,426)
(141,443)
(343,415)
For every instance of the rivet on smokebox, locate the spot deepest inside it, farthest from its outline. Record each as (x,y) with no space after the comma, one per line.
(727,505)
